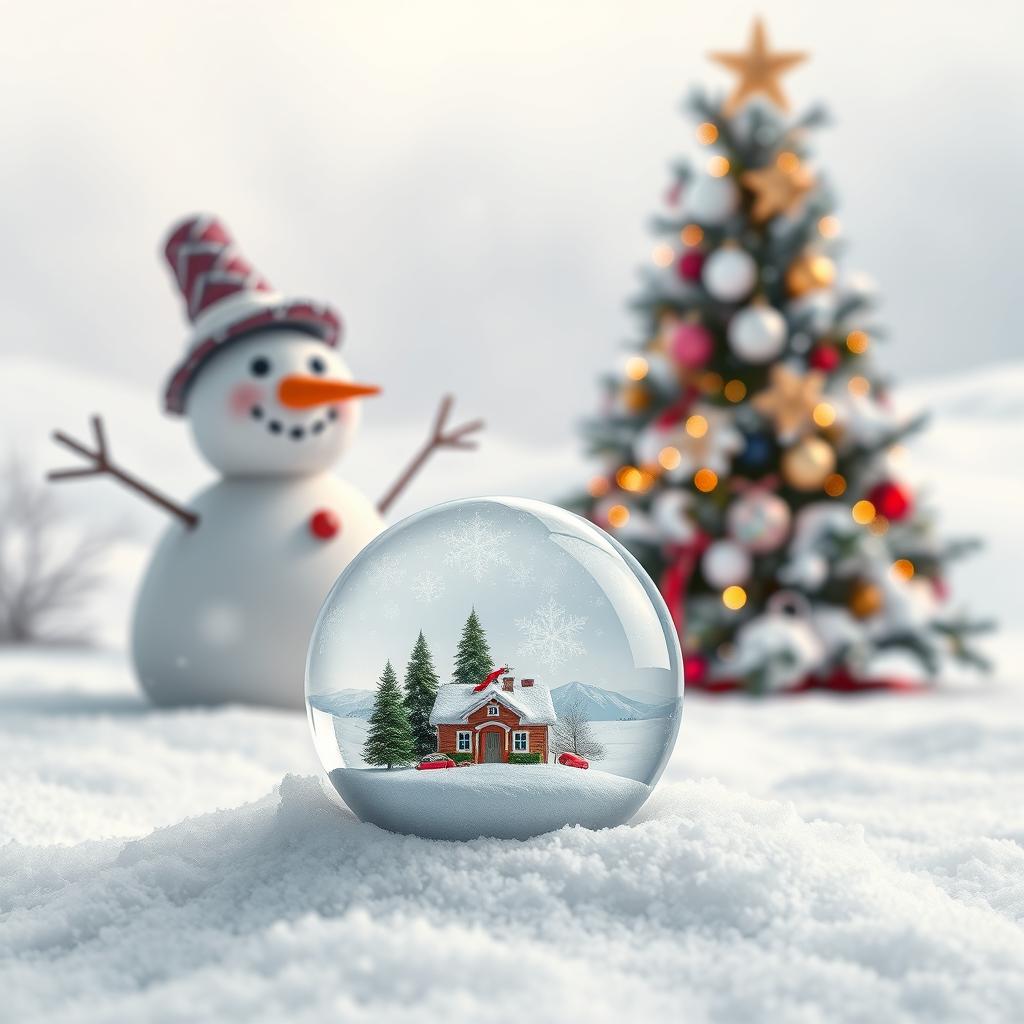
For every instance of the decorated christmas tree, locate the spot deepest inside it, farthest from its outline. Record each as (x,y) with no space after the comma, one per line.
(389,740)
(420,693)
(753,458)
(473,655)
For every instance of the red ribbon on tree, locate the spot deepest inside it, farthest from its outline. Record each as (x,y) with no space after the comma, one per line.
(839,680)
(676,577)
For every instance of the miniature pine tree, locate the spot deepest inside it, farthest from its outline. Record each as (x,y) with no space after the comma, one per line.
(389,741)
(750,452)
(473,656)
(420,692)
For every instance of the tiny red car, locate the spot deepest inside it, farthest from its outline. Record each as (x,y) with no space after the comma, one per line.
(573,760)
(435,761)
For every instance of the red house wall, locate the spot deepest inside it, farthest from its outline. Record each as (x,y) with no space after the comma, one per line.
(447,740)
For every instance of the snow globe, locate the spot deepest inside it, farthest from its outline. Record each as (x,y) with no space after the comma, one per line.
(493,667)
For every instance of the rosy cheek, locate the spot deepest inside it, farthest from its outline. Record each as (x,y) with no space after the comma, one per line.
(244,397)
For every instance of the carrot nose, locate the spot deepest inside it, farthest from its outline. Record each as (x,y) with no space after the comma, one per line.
(299,392)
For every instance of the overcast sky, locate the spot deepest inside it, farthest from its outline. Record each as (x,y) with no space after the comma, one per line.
(469,182)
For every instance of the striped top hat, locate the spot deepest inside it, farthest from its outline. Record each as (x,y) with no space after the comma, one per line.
(226,298)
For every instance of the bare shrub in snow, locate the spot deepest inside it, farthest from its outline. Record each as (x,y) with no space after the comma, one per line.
(573,734)
(48,568)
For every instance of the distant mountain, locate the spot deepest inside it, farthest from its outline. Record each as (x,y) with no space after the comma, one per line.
(645,696)
(345,703)
(603,705)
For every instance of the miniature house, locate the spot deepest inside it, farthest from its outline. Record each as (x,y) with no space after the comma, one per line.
(505,718)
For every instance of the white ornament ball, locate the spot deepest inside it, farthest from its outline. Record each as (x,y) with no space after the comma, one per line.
(729,274)
(759,521)
(669,513)
(757,334)
(725,563)
(712,200)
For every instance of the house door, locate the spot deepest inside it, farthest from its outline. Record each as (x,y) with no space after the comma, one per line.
(492,746)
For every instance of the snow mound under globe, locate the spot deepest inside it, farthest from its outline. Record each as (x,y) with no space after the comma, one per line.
(496,800)
(493,667)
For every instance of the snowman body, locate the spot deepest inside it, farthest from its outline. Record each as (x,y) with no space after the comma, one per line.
(227,606)
(225,610)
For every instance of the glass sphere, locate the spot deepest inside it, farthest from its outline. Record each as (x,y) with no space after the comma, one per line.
(494,667)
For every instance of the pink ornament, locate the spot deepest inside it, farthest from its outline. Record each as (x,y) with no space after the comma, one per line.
(690,264)
(759,520)
(691,345)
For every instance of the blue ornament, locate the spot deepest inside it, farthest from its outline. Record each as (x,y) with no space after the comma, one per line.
(757,451)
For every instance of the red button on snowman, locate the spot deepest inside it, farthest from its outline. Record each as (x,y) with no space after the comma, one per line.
(227,604)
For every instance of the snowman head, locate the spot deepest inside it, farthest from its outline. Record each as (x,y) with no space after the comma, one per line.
(274,403)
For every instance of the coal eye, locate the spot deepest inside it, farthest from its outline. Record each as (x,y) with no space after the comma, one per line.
(260,366)
(317,365)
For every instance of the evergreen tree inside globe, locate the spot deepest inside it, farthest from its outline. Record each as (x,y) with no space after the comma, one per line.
(389,742)
(752,457)
(420,693)
(473,657)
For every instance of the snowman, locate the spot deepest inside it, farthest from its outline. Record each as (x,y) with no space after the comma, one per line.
(226,607)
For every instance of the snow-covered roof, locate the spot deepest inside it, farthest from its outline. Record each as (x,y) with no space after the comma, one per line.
(456,701)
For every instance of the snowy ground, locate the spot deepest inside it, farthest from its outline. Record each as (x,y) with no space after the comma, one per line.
(804,859)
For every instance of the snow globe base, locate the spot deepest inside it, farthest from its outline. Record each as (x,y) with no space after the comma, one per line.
(493,667)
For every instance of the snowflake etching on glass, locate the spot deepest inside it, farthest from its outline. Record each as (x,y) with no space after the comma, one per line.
(475,546)
(427,586)
(551,634)
(521,574)
(387,572)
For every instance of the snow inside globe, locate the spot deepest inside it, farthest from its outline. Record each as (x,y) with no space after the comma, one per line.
(493,667)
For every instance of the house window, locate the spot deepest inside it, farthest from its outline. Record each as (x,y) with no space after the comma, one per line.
(464,742)
(521,742)
(492,710)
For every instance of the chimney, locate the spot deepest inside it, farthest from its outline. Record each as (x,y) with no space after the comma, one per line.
(526,682)
(506,683)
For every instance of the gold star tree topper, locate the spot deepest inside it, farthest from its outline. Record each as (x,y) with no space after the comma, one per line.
(759,69)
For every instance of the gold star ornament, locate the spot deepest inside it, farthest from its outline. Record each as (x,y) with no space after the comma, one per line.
(779,187)
(759,69)
(790,400)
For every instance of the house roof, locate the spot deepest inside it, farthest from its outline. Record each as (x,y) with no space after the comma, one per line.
(456,701)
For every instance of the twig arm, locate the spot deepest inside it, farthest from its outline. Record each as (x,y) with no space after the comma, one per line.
(439,438)
(101,464)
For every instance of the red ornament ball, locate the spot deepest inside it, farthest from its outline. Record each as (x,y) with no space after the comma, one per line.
(691,345)
(824,357)
(690,265)
(324,524)
(891,500)
(695,669)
